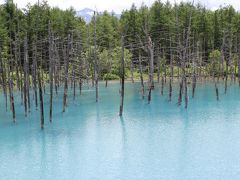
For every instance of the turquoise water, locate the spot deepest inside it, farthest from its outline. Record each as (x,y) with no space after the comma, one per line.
(152,142)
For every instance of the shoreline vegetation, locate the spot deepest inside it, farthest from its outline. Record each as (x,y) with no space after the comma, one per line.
(43,46)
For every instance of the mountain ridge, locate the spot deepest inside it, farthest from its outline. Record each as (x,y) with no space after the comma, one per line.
(87,14)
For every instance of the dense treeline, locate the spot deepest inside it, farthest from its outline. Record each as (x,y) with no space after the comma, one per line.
(42,45)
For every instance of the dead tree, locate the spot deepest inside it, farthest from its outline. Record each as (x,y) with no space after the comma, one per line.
(214,78)
(110,67)
(151,67)
(131,65)
(171,72)
(95,58)
(141,74)
(11,97)
(35,74)
(158,65)
(194,76)
(4,83)
(162,71)
(10,83)
(56,69)
(122,77)
(179,53)
(50,53)
(25,76)
(81,75)
(151,63)
(66,54)
(74,85)
(238,59)
(185,56)
(41,99)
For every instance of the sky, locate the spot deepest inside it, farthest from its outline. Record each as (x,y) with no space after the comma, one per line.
(119,5)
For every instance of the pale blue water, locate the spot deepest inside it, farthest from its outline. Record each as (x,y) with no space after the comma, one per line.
(152,142)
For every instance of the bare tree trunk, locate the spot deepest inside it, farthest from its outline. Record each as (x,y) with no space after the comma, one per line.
(238,56)
(35,75)
(131,68)
(226,79)
(223,57)
(50,53)
(162,85)
(25,76)
(17,65)
(122,77)
(141,75)
(151,66)
(239,69)
(95,58)
(10,86)
(10,83)
(185,52)
(42,66)
(56,68)
(109,69)
(194,84)
(185,92)
(80,76)
(180,92)
(28,80)
(231,57)
(41,99)
(4,83)
(74,85)
(171,72)
(66,62)
(194,76)
(158,65)
(215,84)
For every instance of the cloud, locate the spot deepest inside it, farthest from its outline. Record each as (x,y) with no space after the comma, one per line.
(119,5)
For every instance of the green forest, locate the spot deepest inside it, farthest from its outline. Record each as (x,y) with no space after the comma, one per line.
(42,45)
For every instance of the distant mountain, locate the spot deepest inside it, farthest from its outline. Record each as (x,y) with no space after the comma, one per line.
(87,14)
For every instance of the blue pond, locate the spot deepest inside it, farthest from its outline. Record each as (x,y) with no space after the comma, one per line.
(157,141)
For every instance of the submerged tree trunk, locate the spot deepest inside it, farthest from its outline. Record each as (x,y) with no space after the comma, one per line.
(151,66)
(141,75)
(194,84)
(80,74)
(66,52)
(194,76)
(171,72)
(4,83)
(158,66)
(226,79)
(131,68)
(180,92)
(35,76)
(122,77)
(74,85)
(186,92)
(95,58)
(50,49)
(239,68)
(41,99)
(162,85)
(10,66)
(11,97)
(110,68)
(25,76)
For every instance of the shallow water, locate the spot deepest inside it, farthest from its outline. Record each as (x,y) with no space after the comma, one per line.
(156,141)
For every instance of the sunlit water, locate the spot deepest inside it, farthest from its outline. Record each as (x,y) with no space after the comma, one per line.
(152,142)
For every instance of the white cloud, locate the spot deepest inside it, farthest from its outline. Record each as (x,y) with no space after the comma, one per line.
(119,5)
